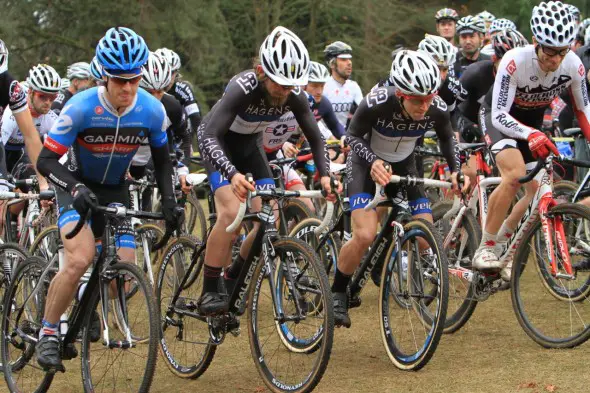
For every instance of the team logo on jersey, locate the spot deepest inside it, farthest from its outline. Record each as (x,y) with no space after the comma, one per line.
(16,92)
(581,70)
(99,110)
(534,78)
(63,125)
(511,67)
(280,129)
(138,108)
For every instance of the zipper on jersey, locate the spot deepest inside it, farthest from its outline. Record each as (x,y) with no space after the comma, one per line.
(112,150)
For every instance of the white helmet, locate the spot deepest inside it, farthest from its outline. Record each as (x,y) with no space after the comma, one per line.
(415,73)
(44,78)
(441,50)
(587,36)
(3,57)
(470,24)
(284,58)
(65,83)
(553,25)
(25,85)
(486,16)
(575,11)
(318,72)
(487,50)
(501,24)
(80,70)
(157,73)
(171,56)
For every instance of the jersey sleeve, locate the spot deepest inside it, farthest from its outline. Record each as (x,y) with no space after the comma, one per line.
(9,126)
(216,124)
(65,129)
(503,98)
(157,135)
(309,127)
(358,94)
(17,99)
(362,121)
(579,94)
(58,104)
(446,136)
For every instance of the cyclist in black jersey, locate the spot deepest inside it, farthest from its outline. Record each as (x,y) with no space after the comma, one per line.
(385,129)
(182,90)
(80,80)
(231,144)
(471,31)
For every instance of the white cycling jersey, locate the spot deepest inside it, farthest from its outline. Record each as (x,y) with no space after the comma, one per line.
(13,139)
(522,92)
(342,97)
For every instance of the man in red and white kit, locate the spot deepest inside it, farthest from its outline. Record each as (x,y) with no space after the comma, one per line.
(527,81)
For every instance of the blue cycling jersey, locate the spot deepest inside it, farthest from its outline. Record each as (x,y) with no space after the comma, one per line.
(100,143)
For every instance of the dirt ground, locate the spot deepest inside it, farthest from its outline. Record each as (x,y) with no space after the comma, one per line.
(490,354)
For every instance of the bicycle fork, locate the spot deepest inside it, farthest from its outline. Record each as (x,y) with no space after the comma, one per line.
(554,224)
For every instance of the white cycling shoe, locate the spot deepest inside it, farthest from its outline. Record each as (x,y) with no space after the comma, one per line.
(506,272)
(485,260)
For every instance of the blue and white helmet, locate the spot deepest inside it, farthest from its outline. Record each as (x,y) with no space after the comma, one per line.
(121,50)
(96,69)
(501,24)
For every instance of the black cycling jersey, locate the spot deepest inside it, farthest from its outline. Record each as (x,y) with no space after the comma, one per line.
(177,130)
(183,92)
(61,100)
(323,111)
(243,109)
(477,80)
(463,62)
(381,128)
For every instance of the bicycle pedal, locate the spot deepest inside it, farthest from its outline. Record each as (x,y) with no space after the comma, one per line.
(69,352)
(233,326)
(354,302)
(54,370)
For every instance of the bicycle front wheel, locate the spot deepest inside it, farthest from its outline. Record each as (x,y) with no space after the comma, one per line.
(121,364)
(291,320)
(414,296)
(550,307)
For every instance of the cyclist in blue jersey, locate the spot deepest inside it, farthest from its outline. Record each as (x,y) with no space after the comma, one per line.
(100,129)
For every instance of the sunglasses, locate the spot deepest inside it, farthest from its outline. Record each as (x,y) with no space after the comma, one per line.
(121,81)
(554,52)
(45,96)
(418,100)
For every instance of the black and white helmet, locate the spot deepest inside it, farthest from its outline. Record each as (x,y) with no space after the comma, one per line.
(172,57)
(3,57)
(44,78)
(441,50)
(337,49)
(65,83)
(284,58)
(501,24)
(486,16)
(156,72)
(415,73)
(318,73)
(553,25)
(506,40)
(470,24)
(79,70)
(575,11)
(587,36)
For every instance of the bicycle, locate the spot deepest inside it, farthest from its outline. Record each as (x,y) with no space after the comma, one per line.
(298,309)
(24,306)
(396,250)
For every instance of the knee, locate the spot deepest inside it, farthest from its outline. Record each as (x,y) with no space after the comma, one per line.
(227,214)
(510,178)
(76,263)
(363,237)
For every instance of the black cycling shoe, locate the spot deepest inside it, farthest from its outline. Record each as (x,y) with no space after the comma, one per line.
(583,266)
(341,317)
(48,354)
(95,327)
(213,303)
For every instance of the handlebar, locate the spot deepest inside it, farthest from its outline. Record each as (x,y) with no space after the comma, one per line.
(46,195)
(408,180)
(542,162)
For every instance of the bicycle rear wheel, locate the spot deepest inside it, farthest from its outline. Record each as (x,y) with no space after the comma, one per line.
(21,323)
(122,364)
(411,332)
(548,307)
(291,349)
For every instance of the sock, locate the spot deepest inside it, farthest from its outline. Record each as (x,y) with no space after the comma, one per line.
(48,329)
(341,281)
(211,278)
(233,271)
(505,233)
(488,239)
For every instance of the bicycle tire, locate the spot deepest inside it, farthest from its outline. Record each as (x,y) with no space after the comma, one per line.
(30,325)
(88,362)
(519,265)
(435,323)
(49,236)
(257,345)
(455,320)
(184,369)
